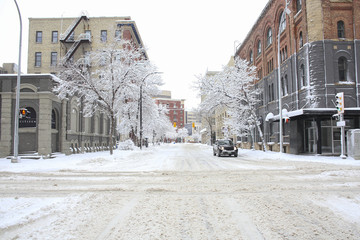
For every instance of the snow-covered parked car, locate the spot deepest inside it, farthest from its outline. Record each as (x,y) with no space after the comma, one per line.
(126,145)
(225,147)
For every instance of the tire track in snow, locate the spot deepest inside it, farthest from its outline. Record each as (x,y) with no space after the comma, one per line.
(117,221)
(244,223)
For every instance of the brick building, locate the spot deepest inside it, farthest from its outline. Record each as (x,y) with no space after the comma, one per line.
(176,108)
(319,52)
(51,39)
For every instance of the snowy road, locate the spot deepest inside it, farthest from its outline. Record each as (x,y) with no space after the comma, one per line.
(180,191)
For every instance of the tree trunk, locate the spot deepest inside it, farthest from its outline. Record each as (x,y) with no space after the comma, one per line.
(261,136)
(112,127)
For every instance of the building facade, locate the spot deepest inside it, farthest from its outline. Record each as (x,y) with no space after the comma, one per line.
(9,68)
(53,39)
(51,125)
(319,51)
(54,125)
(176,110)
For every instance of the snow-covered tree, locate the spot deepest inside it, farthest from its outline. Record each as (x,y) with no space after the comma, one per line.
(234,88)
(182,133)
(206,112)
(105,80)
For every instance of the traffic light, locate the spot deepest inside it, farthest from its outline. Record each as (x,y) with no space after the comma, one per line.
(340,102)
(174,124)
(193,125)
(23,113)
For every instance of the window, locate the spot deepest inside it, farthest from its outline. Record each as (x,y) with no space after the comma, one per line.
(269,37)
(54,36)
(271,92)
(38,59)
(53,119)
(103,36)
(38,36)
(342,65)
(53,58)
(72,36)
(302,76)
(259,48)
(301,41)
(251,58)
(341,29)
(284,86)
(117,35)
(282,22)
(74,126)
(88,34)
(298,5)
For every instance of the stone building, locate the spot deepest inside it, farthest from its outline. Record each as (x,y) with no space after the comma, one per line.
(319,52)
(54,125)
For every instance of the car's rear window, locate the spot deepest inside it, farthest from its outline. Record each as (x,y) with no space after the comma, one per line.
(225,142)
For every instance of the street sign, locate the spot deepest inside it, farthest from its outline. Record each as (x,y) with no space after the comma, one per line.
(340,124)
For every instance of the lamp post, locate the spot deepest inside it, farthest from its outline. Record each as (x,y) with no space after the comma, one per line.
(140,105)
(17,102)
(287,11)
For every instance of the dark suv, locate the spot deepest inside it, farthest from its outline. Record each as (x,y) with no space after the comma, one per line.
(225,147)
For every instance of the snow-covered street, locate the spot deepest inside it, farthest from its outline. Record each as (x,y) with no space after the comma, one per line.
(180,191)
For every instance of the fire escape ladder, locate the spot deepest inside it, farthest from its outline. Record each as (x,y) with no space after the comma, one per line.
(64,36)
(84,37)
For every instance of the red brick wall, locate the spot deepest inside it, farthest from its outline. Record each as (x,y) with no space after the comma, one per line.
(176,111)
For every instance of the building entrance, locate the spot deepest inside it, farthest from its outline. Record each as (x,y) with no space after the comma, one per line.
(310,137)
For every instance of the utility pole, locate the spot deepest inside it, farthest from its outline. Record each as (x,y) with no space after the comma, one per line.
(15,159)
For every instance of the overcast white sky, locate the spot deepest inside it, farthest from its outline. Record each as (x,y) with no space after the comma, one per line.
(184,38)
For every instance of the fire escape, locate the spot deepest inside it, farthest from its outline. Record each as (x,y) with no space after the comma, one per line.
(68,37)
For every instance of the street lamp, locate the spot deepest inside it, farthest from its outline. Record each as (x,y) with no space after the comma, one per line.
(17,102)
(287,11)
(140,105)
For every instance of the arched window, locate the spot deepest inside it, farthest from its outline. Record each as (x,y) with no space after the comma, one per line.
(302,76)
(251,57)
(270,96)
(341,29)
(259,48)
(301,41)
(342,66)
(282,22)
(284,85)
(269,37)
(29,120)
(298,5)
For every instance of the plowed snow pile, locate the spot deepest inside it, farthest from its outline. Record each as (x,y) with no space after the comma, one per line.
(180,191)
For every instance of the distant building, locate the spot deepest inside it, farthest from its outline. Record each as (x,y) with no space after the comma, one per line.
(164,94)
(176,108)
(9,68)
